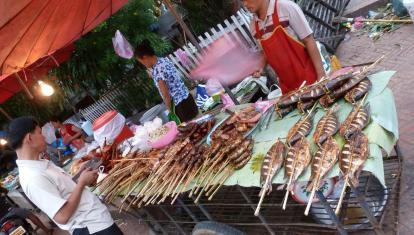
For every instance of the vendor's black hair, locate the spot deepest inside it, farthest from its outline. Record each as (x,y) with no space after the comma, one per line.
(144,48)
(54,119)
(18,129)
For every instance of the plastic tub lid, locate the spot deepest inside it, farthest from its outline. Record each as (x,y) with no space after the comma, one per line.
(104,119)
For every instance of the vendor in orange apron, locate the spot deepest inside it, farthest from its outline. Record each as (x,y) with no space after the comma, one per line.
(294,61)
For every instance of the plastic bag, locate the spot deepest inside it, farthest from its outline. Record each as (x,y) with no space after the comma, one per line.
(214,87)
(48,131)
(122,47)
(108,132)
(172,116)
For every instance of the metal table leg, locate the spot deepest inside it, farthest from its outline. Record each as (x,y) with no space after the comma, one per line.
(185,207)
(172,220)
(261,218)
(367,211)
(203,210)
(331,213)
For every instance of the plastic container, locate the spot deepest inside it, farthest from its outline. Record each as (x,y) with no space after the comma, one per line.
(156,111)
(168,138)
(106,119)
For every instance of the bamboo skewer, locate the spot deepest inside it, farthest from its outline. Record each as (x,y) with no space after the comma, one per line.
(312,195)
(263,191)
(221,183)
(341,197)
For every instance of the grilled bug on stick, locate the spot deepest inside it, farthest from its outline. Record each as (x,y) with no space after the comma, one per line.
(271,165)
(297,159)
(327,126)
(323,161)
(351,161)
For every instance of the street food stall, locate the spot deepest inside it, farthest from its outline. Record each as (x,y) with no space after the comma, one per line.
(321,159)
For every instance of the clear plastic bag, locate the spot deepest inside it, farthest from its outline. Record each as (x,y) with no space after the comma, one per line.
(122,47)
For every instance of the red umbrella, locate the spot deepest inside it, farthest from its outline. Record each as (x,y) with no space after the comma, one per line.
(32,29)
(14,83)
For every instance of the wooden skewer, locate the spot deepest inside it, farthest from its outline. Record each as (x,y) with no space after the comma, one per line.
(341,198)
(287,190)
(212,189)
(221,183)
(312,195)
(263,191)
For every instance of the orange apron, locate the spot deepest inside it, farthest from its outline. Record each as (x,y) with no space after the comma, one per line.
(287,56)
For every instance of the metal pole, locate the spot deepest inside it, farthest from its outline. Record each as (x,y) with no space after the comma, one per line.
(331,213)
(183,25)
(228,91)
(181,230)
(366,209)
(261,218)
(23,85)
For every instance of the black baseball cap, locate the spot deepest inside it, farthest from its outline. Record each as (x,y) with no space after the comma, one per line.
(18,129)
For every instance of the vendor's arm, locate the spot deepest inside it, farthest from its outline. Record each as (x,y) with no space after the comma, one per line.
(165,93)
(63,215)
(300,25)
(313,52)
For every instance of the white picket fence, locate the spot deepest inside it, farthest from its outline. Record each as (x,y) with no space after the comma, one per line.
(104,104)
(237,27)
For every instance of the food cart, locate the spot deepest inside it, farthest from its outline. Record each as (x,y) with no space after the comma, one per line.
(171,195)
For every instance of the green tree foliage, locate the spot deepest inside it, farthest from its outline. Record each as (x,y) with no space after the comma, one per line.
(94,67)
(205,14)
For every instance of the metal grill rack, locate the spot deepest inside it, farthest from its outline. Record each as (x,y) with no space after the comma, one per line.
(320,14)
(235,205)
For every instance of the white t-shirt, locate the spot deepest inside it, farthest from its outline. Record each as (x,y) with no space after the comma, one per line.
(288,12)
(49,187)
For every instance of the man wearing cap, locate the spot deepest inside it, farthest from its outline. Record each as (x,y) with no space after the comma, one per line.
(67,203)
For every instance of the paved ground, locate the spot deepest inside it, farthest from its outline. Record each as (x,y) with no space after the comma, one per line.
(399,50)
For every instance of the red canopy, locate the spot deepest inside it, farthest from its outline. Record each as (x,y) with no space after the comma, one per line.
(31,29)
(10,85)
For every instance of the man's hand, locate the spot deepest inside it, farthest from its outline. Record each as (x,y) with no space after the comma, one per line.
(88,177)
